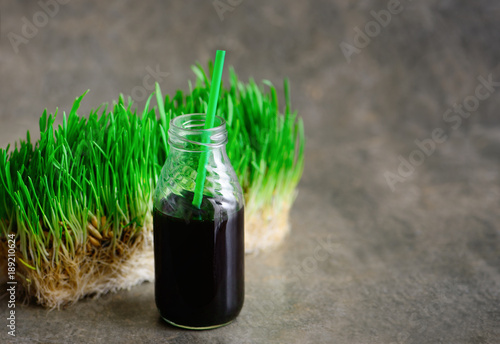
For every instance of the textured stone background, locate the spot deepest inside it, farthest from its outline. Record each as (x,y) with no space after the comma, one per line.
(417,264)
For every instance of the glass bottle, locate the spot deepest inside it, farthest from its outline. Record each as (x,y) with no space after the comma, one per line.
(199,252)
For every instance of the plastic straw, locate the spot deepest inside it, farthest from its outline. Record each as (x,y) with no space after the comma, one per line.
(209,123)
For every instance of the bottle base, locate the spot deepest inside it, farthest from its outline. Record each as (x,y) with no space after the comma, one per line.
(195,327)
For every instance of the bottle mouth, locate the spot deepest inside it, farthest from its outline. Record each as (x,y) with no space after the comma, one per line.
(187,132)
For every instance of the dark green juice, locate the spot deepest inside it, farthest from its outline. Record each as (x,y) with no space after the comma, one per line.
(199,269)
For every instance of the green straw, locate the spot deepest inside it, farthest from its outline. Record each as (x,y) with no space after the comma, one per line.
(209,123)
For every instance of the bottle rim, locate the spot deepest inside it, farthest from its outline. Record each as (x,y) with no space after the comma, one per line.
(199,116)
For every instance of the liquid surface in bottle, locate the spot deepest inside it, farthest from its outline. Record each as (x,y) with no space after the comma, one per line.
(199,268)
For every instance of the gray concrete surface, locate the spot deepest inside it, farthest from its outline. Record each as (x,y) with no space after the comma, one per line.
(418,263)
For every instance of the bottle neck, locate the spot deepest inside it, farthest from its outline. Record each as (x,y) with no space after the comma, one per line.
(187,133)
